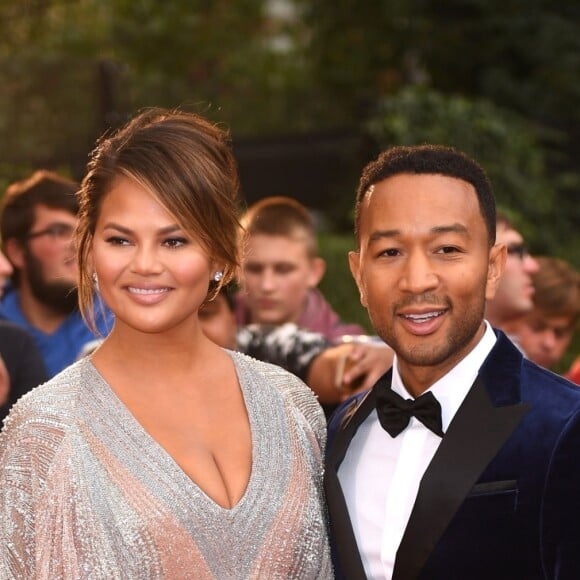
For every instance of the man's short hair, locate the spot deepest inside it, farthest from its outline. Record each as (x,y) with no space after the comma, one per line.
(557,288)
(22,197)
(281,216)
(430,159)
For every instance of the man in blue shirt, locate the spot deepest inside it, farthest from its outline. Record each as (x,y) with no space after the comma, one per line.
(37,221)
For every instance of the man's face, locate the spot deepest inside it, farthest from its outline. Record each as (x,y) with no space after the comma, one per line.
(544,338)
(424,271)
(277,273)
(515,291)
(49,263)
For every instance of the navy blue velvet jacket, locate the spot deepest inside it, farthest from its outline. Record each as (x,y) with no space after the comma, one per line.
(501,497)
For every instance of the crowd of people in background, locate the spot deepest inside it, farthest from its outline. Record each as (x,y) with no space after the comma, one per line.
(273,312)
(187,362)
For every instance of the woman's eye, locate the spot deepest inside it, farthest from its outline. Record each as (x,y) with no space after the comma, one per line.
(175,242)
(117,241)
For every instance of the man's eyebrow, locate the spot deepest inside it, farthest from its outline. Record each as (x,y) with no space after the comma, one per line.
(456,228)
(380,234)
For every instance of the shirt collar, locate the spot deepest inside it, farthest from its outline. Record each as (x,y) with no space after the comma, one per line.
(452,388)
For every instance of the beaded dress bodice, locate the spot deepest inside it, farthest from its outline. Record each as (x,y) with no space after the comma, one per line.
(87,493)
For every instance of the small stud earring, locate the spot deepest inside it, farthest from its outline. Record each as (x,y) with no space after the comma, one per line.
(218,276)
(95,281)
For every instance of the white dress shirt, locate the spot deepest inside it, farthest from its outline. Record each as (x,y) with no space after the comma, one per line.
(380,475)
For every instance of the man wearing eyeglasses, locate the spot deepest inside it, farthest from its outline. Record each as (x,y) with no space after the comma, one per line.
(37,221)
(514,296)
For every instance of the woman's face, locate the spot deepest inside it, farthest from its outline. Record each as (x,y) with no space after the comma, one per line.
(151,273)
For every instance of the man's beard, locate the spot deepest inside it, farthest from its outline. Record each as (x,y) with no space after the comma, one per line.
(59,296)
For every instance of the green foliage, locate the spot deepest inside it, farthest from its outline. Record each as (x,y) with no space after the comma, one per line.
(338,285)
(505,144)
(525,57)
(356,51)
(48,66)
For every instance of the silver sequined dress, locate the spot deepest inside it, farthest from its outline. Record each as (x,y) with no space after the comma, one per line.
(86,493)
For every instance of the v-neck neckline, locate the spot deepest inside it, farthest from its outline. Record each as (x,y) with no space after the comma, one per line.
(150,445)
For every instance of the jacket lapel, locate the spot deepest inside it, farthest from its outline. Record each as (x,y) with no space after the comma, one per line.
(344,547)
(477,432)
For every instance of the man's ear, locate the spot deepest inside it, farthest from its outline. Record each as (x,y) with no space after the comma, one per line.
(354,263)
(496,265)
(14,251)
(317,270)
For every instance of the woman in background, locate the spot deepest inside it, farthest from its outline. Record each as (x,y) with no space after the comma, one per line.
(162,455)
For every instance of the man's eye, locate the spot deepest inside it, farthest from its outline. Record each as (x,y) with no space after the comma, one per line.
(61,230)
(448,250)
(563,332)
(390,252)
(253,269)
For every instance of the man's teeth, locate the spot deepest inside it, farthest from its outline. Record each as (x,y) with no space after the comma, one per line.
(147,290)
(423,317)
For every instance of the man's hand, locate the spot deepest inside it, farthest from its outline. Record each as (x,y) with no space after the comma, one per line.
(342,370)
(363,366)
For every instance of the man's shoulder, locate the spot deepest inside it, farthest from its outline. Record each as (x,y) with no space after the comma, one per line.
(539,381)
(344,413)
(10,307)
(319,316)
(510,378)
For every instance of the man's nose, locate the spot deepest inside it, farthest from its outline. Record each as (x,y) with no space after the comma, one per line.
(531,266)
(419,276)
(267,280)
(548,339)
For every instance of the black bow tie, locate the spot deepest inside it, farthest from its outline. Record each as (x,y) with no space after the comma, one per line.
(395,412)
